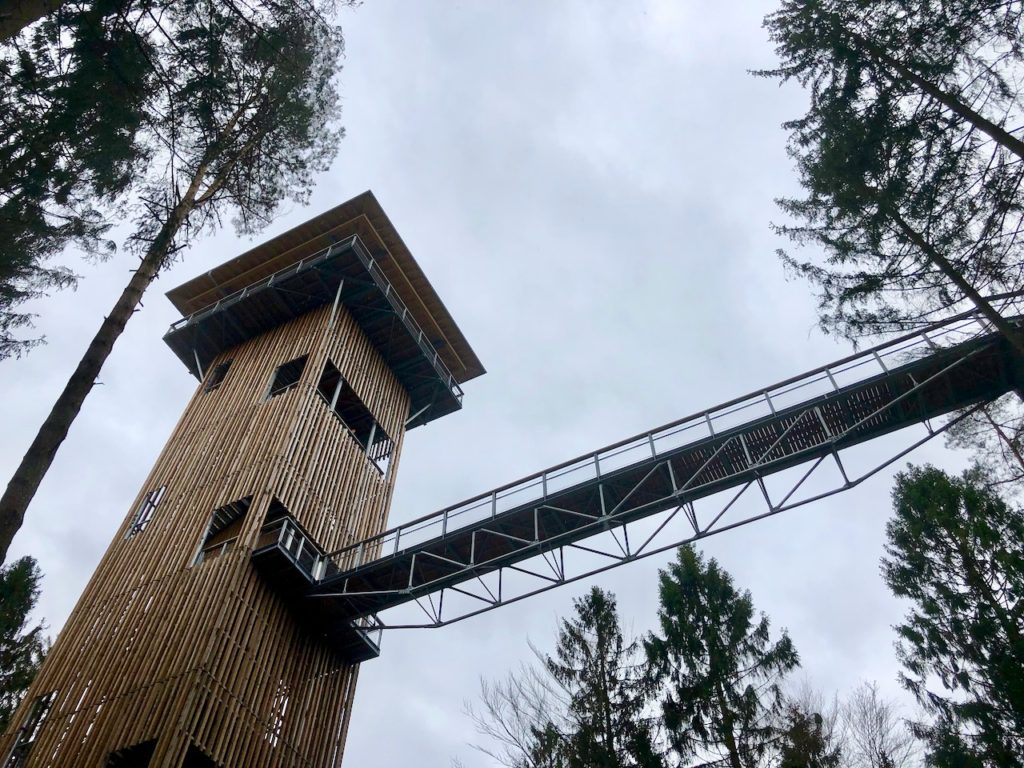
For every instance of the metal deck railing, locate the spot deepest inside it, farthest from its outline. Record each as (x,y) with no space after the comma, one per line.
(319,260)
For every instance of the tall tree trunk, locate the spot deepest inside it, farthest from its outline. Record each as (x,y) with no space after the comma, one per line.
(728,736)
(605,703)
(15,15)
(37,460)
(998,134)
(1009,331)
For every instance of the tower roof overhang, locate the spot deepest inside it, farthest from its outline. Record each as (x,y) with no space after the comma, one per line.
(352,255)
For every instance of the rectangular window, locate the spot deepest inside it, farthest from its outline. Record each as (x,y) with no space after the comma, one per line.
(222,532)
(286,376)
(217,376)
(357,418)
(29,731)
(145,511)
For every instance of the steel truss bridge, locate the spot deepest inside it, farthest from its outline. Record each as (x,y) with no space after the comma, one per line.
(785,445)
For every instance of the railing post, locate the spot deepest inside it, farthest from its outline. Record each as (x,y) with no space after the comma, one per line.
(880,361)
(831,378)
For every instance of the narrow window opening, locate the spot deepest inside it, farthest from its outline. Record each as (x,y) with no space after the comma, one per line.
(330,382)
(135,756)
(222,532)
(29,731)
(216,376)
(196,758)
(145,511)
(353,413)
(379,449)
(287,376)
(278,709)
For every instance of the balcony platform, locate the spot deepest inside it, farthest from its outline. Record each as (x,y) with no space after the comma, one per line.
(290,563)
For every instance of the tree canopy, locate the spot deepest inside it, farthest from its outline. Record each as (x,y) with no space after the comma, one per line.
(911,170)
(955,553)
(90,107)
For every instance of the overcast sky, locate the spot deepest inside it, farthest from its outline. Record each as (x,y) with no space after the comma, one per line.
(589,187)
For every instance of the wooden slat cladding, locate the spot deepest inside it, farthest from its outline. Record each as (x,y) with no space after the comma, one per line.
(209,655)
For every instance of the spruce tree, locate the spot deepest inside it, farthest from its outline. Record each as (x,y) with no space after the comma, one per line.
(585,706)
(955,552)
(803,742)
(74,93)
(719,668)
(911,169)
(606,687)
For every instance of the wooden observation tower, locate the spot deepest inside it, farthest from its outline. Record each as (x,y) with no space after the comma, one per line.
(194,643)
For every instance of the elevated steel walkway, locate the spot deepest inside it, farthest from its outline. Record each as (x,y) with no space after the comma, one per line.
(464,551)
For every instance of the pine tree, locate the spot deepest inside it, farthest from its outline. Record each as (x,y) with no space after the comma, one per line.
(955,552)
(718,667)
(21,648)
(245,118)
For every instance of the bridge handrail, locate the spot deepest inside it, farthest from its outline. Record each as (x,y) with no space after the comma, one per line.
(956,329)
